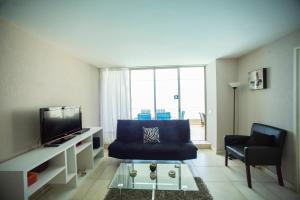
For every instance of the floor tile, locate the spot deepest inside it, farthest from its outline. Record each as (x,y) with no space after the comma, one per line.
(98,190)
(205,160)
(83,188)
(224,190)
(260,176)
(282,192)
(108,173)
(258,191)
(211,173)
(235,173)
(233,162)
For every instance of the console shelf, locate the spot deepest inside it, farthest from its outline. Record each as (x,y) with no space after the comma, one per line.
(70,176)
(97,151)
(63,163)
(83,146)
(44,177)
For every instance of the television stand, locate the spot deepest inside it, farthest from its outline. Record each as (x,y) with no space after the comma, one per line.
(51,145)
(59,141)
(64,162)
(82,131)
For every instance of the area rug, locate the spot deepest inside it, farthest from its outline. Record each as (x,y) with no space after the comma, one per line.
(202,194)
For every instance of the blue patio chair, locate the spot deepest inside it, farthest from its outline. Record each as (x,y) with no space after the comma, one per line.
(144,116)
(163,116)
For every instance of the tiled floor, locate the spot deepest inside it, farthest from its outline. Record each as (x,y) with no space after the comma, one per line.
(230,182)
(226,183)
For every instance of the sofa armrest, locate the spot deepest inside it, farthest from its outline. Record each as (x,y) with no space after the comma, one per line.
(262,155)
(235,140)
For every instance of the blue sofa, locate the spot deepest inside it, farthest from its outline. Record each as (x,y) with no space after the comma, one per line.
(174,136)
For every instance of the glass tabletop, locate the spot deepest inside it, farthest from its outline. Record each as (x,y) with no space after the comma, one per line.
(136,175)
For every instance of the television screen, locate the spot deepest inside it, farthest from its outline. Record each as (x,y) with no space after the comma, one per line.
(57,122)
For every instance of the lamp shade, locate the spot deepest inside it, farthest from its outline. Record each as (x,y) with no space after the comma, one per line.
(234,84)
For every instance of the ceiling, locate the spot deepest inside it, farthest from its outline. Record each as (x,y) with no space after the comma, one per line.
(155,32)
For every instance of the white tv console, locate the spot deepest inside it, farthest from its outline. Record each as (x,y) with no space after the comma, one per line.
(64,161)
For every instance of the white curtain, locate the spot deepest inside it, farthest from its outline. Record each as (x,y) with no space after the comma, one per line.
(114,100)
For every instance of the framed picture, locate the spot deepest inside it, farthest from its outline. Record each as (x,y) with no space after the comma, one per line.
(258,79)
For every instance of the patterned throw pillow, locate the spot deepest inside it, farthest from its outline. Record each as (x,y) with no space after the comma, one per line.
(151,135)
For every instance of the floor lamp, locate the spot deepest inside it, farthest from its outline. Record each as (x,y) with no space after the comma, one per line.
(234,85)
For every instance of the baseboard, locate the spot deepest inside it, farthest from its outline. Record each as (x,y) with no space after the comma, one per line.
(202,144)
(221,152)
(213,148)
(274,175)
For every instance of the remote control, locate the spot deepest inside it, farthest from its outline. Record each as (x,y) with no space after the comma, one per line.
(51,145)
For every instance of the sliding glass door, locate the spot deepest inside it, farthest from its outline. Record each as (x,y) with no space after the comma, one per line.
(170,93)
(142,94)
(166,82)
(192,100)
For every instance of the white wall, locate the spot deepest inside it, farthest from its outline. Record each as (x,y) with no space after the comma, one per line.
(226,73)
(211,104)
(219,96)
(274,105)
(35,74)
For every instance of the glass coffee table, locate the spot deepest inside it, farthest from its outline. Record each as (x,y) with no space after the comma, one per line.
(136,175)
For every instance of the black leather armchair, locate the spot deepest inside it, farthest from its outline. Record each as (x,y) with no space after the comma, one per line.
(263,147)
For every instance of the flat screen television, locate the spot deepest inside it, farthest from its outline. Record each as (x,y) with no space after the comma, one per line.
(59,122)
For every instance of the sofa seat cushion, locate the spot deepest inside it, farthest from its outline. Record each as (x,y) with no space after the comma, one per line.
(236,151)
(158,151)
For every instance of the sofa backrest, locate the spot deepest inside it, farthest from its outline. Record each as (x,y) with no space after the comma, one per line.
(279,134)
(170,131)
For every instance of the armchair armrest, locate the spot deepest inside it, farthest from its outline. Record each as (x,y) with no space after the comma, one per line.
(235,139)
(262,155)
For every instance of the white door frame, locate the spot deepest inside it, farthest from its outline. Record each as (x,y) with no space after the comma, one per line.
(297,110)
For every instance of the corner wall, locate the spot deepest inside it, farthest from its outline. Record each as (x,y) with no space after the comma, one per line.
(274,105)
(220,101)
(226,73)
(211,104)
(35,74)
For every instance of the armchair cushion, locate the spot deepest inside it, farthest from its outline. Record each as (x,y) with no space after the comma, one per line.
(258,139)
(235,139)
(237,151)
(262,155)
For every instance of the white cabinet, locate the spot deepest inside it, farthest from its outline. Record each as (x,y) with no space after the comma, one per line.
(63,163)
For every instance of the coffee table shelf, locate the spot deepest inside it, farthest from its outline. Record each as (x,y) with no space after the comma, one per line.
(182,181)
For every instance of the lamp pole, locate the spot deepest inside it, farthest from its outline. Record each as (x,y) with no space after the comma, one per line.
(234,85)
(234,88)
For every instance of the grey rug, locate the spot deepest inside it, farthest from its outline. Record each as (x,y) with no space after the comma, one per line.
(202,194)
